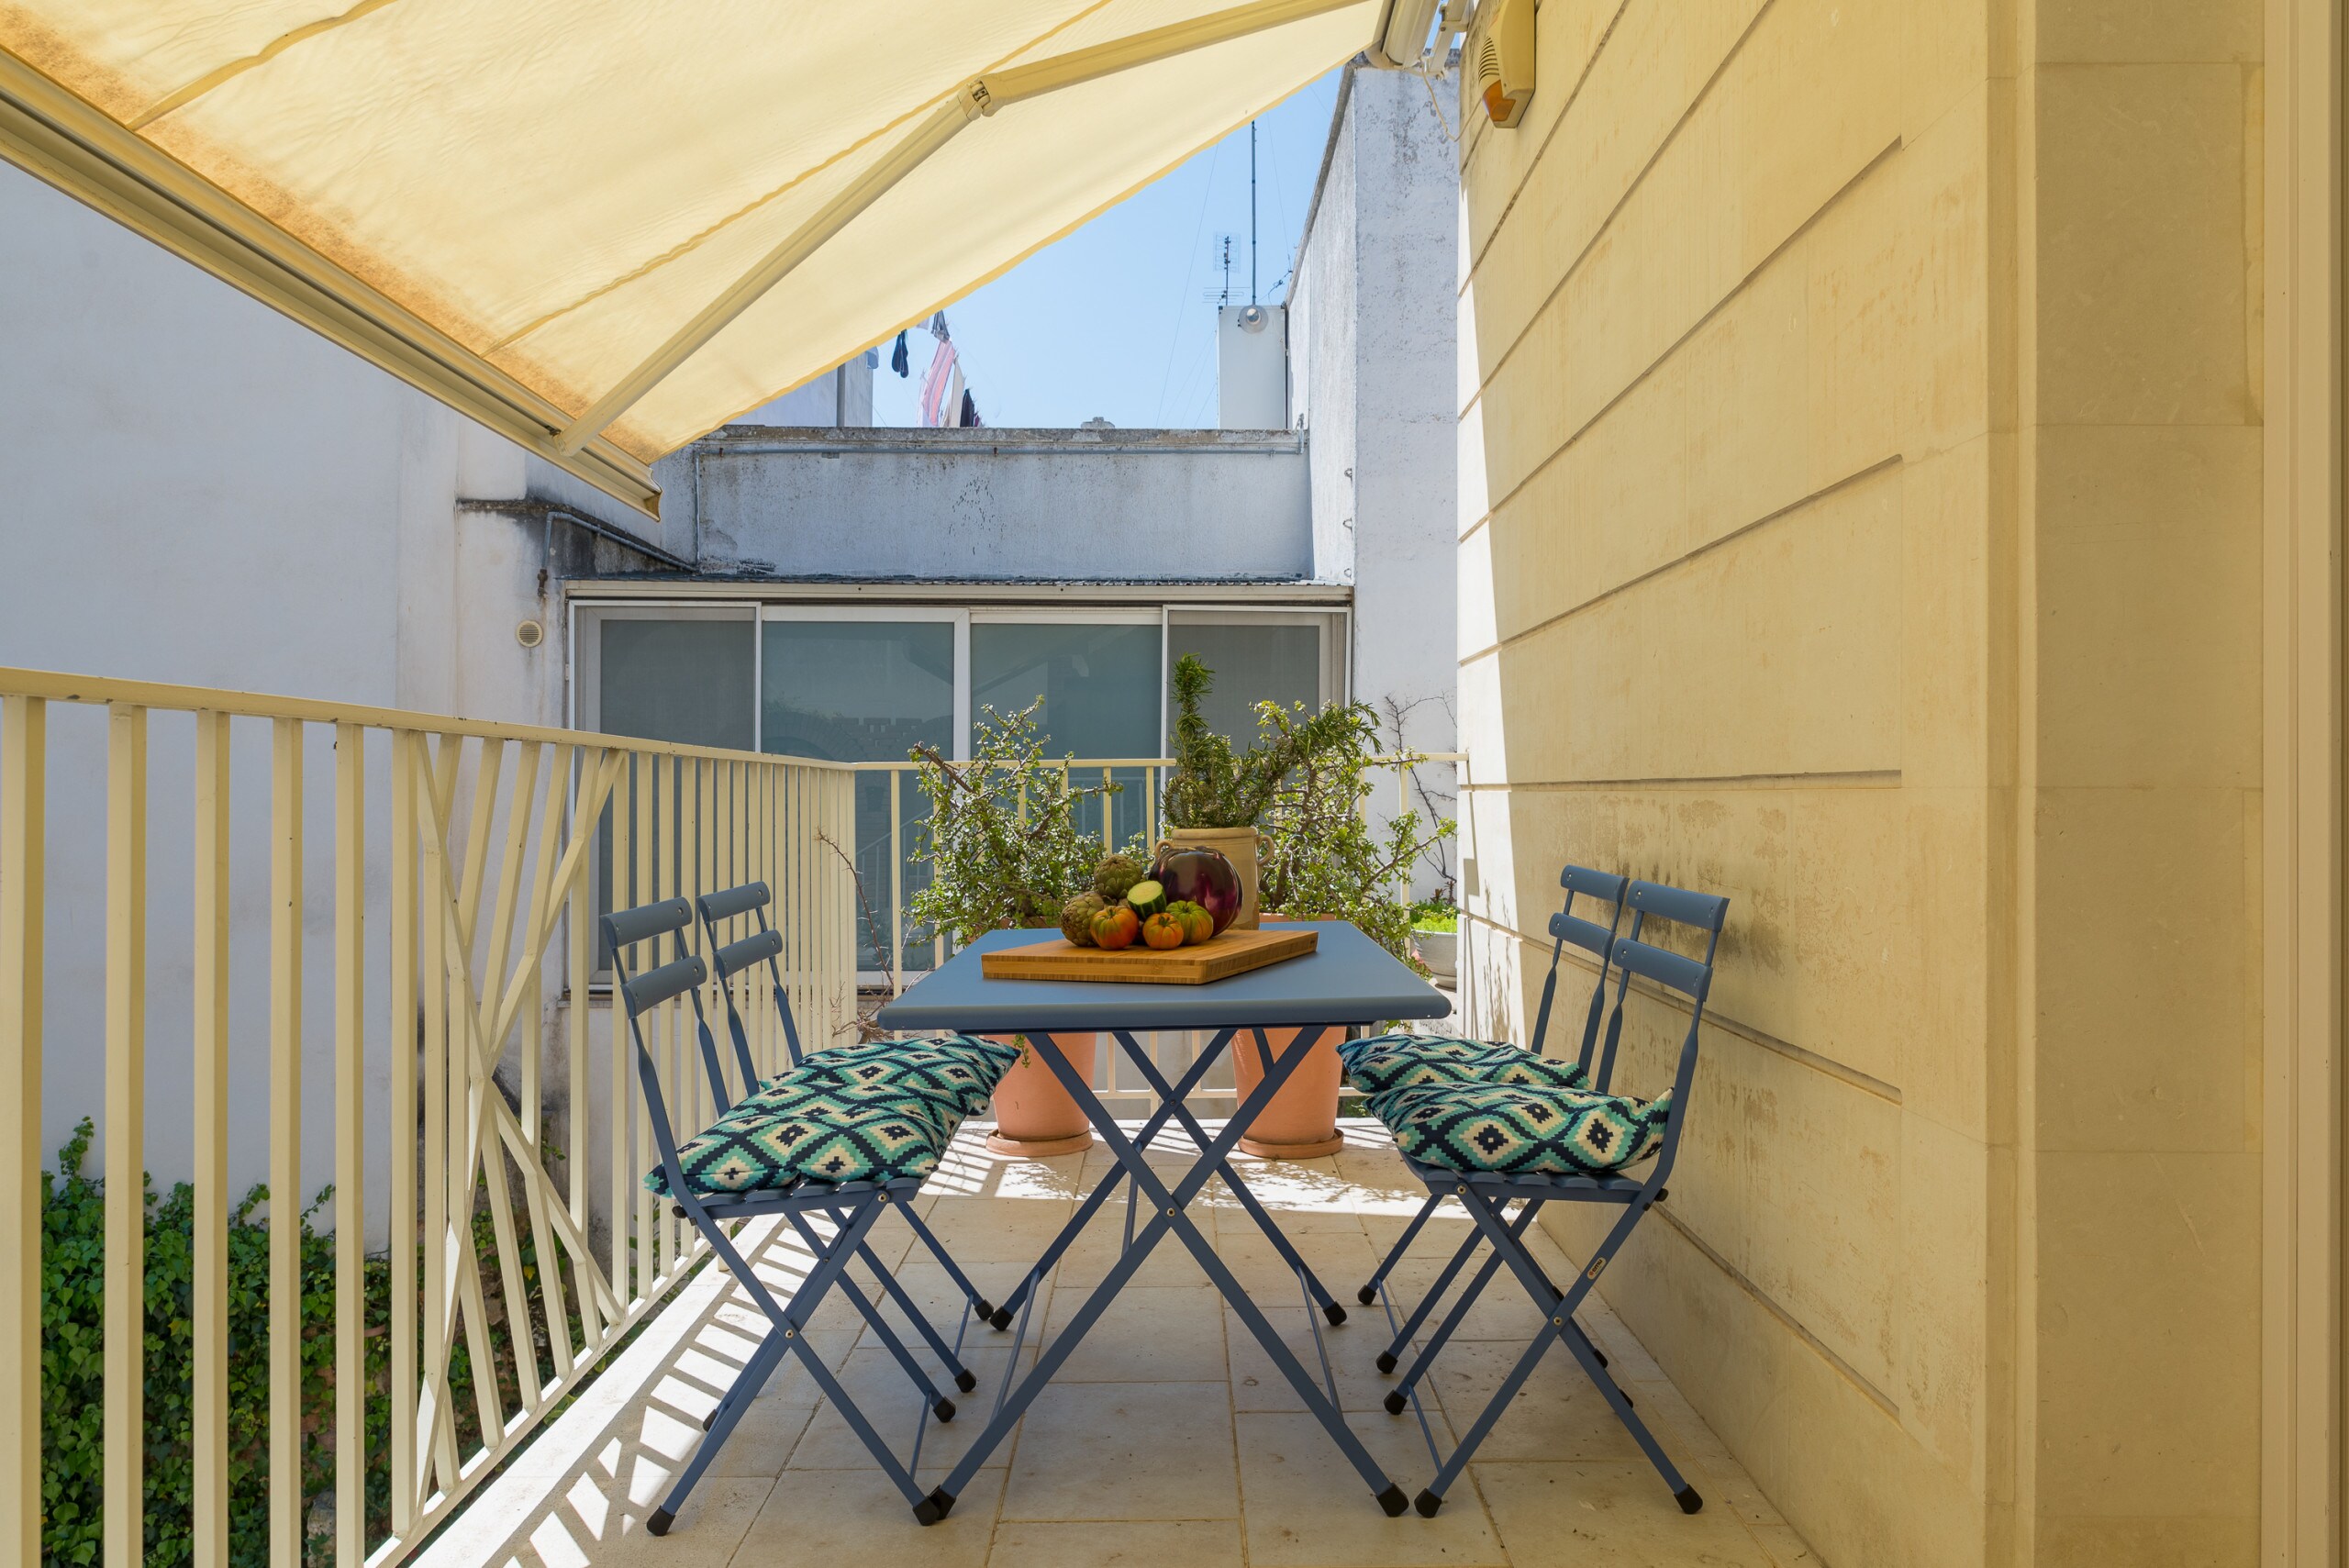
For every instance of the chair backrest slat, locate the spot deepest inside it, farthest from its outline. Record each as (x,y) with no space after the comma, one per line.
(1587,935)
(1683,975)
(735,956)
(657,986)
(763,946)
(733,901)
(625,928)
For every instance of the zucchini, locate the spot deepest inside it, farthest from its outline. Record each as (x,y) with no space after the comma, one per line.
(1147,897)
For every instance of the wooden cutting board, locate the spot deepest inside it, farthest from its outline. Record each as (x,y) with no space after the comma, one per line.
(1234,953)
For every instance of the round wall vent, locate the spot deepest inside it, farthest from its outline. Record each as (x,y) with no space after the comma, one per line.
(529,634)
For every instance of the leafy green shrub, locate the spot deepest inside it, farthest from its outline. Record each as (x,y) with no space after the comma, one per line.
(73,1366)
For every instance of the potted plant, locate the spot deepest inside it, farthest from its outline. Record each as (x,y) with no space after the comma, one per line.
(1215,794)
(1435,936)
(1004,851)
(1318,859)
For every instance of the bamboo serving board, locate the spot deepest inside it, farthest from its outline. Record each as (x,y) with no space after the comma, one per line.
(1233,952)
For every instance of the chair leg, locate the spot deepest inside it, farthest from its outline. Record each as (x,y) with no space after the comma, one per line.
(1368,1293)
(1561,1328)
(980,1306)
(1450,1324)
(939,1405)
(790,1326)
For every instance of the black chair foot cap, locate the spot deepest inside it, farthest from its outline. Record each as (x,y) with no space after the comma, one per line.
(966,1380)
(1387,1361)
(1367,1296)
(942,1500)
(660,1522)
(1393,1501)
(1427,1503)
(928,1512)
(1000,1318)
(983,1309)
(943,1410)
(1334,1313)
(1687,1500)
(1394,1402)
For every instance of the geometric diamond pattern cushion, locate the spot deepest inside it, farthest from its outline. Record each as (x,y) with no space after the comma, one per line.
(1519,1127)
(1388,1062)
(793,1130)
(956,1075)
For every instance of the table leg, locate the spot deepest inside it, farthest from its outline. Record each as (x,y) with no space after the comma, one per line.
(1168,1216)
(1281,1244)
(1170,1103)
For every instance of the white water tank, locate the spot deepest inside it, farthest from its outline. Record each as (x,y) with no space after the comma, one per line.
(1252,367)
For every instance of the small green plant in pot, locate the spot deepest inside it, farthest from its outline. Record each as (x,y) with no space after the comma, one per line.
(1004,850)
(1215,792)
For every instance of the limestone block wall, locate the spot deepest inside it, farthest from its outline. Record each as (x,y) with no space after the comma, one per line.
(1860,464)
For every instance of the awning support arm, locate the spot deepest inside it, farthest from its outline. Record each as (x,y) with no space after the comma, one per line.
(976,98)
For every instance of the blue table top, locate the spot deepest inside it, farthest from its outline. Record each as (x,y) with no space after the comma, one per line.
(1348,979)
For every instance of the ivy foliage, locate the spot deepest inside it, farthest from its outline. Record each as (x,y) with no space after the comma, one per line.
(73,1366)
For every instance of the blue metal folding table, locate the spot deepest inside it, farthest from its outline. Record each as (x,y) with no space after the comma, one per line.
(1347,980)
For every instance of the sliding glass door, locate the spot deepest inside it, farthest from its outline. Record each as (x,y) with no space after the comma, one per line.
(1096,673)
(846,684)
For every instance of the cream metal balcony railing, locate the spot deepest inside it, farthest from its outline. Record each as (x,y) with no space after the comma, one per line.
(464,861)
(467,862)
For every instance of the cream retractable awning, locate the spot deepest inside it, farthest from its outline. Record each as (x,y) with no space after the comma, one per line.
(604,226)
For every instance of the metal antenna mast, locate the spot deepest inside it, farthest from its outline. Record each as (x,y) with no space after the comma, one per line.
(1251,212)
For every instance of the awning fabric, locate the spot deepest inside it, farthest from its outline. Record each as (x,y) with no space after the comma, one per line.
(604,227)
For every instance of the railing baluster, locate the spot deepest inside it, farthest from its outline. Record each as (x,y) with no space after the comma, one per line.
(897,881)
(408,758)
(286,1522)
(24,770)
(208,1436)
(350,1143)
(124,1310)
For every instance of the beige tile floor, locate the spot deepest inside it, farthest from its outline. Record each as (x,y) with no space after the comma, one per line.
(1168,1438)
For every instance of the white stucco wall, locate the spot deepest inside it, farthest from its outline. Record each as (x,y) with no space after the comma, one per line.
(1371,323)
(978,504)
(200,491)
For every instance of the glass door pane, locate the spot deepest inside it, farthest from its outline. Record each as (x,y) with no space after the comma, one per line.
(1100,682)
(866,691)
(1259,657)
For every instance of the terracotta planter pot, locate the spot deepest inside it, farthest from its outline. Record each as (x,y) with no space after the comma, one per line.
(1302,1121)
(1237,845)
(1034,1116)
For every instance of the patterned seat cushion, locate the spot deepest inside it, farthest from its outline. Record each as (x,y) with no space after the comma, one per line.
(1389,1062)
(801,1127)
(1522,1129)
(956,1074)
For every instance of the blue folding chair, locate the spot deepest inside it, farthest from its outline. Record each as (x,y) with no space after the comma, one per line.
(1491,1145)
(804,1144)
(764,945)
(1388,1062)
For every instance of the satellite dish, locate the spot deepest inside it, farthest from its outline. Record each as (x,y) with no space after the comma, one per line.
(1252,318)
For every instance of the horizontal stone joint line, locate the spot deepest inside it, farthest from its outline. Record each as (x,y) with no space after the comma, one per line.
(1799,504)
(1770,1304)
(1663,144)
(1872,778)
(1533,165)
(1716,1019)
(1735,290)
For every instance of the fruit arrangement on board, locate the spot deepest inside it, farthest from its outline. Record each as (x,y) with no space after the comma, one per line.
(1187,896)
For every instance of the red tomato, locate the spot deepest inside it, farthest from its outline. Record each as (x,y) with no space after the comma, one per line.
(1163,930)
(1114,929)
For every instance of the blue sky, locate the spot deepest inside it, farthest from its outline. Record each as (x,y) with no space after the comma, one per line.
(1112,321)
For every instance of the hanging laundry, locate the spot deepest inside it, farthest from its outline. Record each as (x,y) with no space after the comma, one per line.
(970,409)
(938,327)
(898,360)
(941,389)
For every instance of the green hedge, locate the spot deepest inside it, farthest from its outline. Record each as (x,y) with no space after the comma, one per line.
(73,1367)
